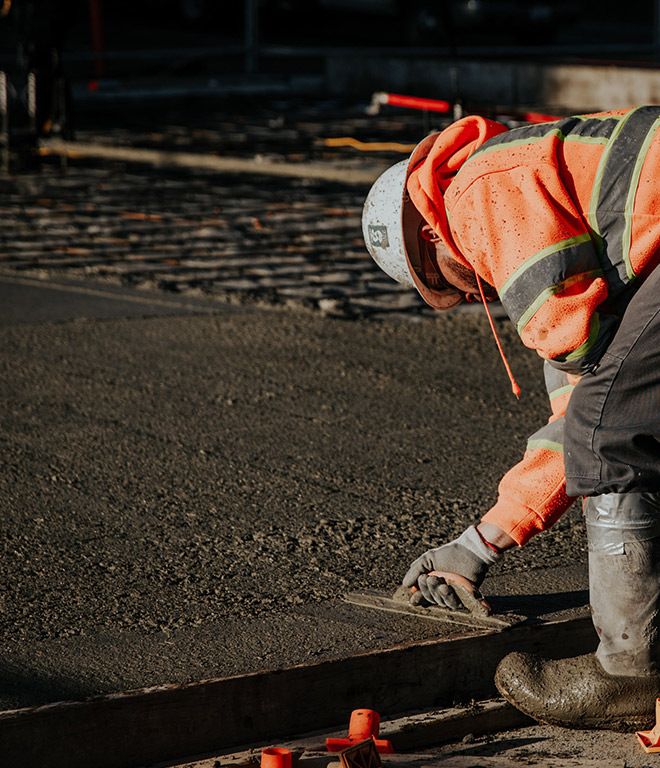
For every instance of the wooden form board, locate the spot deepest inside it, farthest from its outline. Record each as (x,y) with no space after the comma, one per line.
(170,722)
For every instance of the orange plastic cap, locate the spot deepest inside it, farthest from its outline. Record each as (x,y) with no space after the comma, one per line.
(275,757)
(364,724)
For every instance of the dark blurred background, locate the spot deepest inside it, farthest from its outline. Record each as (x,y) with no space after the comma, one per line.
(60,61)
(167,38)
(149,25)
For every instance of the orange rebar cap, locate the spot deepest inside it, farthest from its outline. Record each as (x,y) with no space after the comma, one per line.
(650,740)
(275,757)
(364,724)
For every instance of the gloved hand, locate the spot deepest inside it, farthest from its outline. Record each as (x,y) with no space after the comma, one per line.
(466,556)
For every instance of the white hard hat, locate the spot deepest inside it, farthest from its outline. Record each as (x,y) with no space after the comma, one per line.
(391,226)
(382,223)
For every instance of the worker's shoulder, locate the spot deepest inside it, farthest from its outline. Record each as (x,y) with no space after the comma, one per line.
(498,171)
(530,152)
(534,149)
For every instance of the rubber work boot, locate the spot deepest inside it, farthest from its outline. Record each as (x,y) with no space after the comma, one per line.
(616,687)
(577,693)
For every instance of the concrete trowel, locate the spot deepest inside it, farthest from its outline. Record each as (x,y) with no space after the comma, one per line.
(476,612)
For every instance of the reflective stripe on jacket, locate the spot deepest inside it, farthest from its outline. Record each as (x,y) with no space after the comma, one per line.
(562,218)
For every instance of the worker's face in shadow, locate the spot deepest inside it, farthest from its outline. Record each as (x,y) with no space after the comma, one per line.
(460,277)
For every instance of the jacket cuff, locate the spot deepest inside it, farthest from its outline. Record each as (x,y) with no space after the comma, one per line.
(520,524)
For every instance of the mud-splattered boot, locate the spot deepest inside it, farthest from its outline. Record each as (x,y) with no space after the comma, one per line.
(616,687)
(577,692)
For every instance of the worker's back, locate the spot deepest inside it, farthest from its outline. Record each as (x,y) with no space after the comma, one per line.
(560,217)
(601,168)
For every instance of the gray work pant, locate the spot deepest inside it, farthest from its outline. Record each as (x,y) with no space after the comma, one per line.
(612,424)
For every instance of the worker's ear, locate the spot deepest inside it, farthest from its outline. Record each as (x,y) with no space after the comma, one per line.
(429,234)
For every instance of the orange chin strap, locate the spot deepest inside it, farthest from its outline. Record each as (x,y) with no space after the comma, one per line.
(514,384)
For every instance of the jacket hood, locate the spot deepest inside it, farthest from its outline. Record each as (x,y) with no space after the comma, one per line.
(430,176)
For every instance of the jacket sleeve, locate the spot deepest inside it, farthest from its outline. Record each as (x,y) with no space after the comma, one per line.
(532,495)
(530,242)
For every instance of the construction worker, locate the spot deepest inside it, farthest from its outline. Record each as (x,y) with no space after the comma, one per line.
(561,222)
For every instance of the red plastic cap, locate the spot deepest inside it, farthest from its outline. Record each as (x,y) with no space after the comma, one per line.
(275,757)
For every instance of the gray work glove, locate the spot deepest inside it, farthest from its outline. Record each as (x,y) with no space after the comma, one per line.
(466,556)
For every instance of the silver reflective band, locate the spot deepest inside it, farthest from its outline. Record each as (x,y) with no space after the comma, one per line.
(614,519)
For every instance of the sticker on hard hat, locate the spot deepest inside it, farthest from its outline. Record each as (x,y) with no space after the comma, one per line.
(378,236)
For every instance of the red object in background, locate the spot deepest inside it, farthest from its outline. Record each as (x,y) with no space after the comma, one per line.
(364,724)
(415,102)
(382,98)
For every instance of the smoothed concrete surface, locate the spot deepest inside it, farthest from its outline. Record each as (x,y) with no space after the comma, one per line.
(26,299)
(190,496)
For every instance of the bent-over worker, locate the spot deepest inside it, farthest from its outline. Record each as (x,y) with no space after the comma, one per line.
(561,222)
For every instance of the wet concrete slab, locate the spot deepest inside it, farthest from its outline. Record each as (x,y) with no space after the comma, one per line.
(25,299)
(542,594)
(189,488)
(125,658)
(191,495)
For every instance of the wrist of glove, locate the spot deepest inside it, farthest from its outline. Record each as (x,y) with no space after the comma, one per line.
(468,556)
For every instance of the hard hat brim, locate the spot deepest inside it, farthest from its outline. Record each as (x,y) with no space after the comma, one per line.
(428,280)
(392,226)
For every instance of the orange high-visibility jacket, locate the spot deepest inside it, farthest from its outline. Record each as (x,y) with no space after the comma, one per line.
(563,218)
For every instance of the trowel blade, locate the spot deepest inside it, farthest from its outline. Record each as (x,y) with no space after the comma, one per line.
(400,603)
